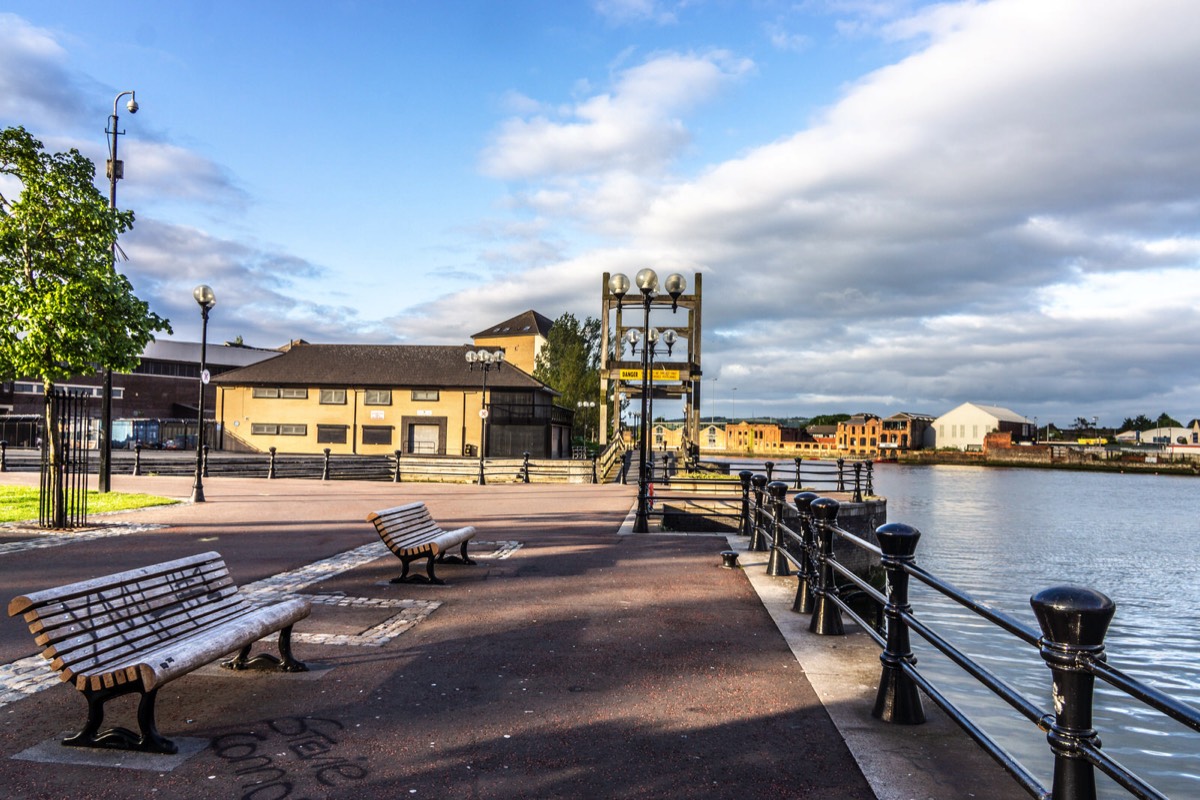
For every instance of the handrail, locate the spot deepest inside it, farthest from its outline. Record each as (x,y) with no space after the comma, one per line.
(1072,620)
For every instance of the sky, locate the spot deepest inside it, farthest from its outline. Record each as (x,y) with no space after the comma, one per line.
(895,205)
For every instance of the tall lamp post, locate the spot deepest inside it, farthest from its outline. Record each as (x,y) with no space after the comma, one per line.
(116,171)
(647,284)
(485,361)
(582,405)
(206,299)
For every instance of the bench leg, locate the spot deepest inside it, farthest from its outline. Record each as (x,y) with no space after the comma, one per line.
(462,558)
(429,576)
(117,738)
(265,661)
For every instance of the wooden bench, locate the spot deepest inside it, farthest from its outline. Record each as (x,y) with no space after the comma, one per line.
(134,631)
(410,532)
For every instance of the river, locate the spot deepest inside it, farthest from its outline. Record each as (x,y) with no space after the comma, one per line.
(1002,535)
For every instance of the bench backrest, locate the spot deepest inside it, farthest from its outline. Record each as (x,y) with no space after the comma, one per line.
(95,626)
(405,527)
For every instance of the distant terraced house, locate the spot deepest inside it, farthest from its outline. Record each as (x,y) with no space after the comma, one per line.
(377,399)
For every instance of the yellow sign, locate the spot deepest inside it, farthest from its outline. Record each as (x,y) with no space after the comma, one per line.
(658,375)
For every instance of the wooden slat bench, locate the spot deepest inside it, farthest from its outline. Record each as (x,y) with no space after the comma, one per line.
(134,631)
(410,532)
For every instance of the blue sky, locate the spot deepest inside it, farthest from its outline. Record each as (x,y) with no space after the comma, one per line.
(895,205)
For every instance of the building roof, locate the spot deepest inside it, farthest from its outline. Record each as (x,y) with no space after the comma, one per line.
(223,355)
(912,416)
(375,365)
(527,323)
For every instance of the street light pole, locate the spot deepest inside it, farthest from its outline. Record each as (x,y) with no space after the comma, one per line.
(206,300)
(484,360)
(116,171)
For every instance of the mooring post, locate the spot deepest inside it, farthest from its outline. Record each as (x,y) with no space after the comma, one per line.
(758,542)
(806,574)
(898,700)
(827,617)
(777,565)
(745,476)
(1074,621)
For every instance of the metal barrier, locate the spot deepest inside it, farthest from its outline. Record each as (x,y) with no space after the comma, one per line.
(1073,622)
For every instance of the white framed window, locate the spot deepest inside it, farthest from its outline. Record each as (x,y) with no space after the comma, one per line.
(425,394)
(377,397)
(333,397)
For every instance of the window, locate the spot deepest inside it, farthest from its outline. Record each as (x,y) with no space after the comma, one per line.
(425,394)
(336,397)
(293,430)
(377,397)
(275,392)
(275,429)
(293,394)
(331,434)
(266,391)
(377,434)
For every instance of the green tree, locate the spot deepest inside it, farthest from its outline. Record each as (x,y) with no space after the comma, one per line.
(1165,420)
(570,364)
(828,419)
(66,310)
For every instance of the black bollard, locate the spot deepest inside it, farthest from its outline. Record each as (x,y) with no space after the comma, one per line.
(777,565)
(806,575)
(799,461)
(827,617)
(897,700)
(745,476)
(870,479)
(137,458)
(325,469)
(1074,621)
(841,472)
(525,468)
(396,477)
(858,481)
(3,456)
(204,471)
(770,467)
(758,542)
(271,463)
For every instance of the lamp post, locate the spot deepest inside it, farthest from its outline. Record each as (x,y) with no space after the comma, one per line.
(485,360)
(206,300)
(116,171)
(586,404)
(647,284)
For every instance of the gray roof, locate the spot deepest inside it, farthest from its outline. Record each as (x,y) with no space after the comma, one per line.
(377,365)
(529,322)
(223,355)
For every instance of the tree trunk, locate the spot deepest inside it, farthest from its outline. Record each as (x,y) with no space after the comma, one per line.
(54,482)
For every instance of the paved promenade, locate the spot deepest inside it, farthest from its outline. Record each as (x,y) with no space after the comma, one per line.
(576,660)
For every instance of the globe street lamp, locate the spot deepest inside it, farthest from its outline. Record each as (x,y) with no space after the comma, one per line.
(586,404)
(647,284)
(206,300)
(485,361)
(116,171)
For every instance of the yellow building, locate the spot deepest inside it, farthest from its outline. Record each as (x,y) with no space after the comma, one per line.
(377,399)
(521,338)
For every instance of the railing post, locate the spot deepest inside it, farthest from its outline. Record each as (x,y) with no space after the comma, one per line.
(770,467)
(758,542)
(898,701)
(595,475)
(1074,621)
(870,478)
(827,617)
(525,467)
(137,458)
(396,477)
(325,469)
(799,461)
(806,575)
(204,471)
(3,456)
(841,466)
(858,481)
(777,565)
(745,476)
(271,463)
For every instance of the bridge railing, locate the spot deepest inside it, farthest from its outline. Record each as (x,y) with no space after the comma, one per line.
(1073,622)
(856,477)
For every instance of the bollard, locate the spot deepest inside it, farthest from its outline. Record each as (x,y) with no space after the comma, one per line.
(595,477)
(745,476)
(870,479)
(204,461)
(396,477)
(841,483)
(3,456)
(1074,621)
(525,468)
(897,700)
(729,559)
(827,617)
(806,576)
(758,542)
(271,463)
(858,481)
(777,565)
(137,458)
(325,470)
(770,467)
(799,460)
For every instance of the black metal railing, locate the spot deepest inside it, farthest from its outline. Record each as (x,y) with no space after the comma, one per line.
(857,477)
(1073,622)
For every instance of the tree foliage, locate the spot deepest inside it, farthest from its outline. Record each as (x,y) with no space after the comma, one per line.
(828,419)
(66,310)
(570,364)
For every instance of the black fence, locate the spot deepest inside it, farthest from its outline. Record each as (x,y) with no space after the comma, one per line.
(63,462)
(1073,623)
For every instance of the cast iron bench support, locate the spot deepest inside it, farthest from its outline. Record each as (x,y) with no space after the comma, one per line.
(411,533)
